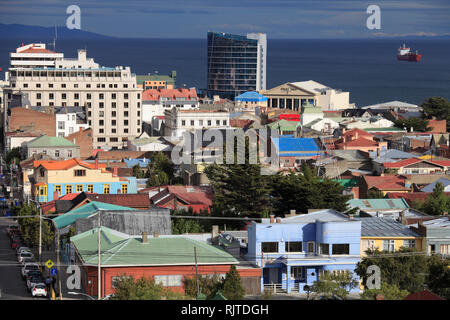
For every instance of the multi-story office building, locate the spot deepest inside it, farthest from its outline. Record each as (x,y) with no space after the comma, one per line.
(236,64)
(109,95)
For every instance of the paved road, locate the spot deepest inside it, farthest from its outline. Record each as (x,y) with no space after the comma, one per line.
(12,285)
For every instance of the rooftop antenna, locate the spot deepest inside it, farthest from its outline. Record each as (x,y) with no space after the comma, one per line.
(54,39)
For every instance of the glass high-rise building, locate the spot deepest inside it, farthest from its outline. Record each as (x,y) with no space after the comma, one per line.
(236,64)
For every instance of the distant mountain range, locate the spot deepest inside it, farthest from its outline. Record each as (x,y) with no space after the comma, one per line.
(25,32)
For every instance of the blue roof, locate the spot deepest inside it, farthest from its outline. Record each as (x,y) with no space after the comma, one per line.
(288,146)
(251,96)
(430,187)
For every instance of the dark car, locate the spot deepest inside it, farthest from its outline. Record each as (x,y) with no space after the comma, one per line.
(33,273)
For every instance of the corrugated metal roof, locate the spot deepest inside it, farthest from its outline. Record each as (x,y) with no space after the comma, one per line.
(121,249)
(384,227)
(85,211)
(378,204)
(46,141)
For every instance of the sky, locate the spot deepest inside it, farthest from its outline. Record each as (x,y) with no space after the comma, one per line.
(294,19)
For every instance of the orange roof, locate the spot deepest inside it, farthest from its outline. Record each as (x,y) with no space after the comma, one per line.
(385,182)
(356,130)
(67,164)
(172,94)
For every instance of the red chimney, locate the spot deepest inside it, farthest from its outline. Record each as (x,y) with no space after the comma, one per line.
(96,163)
(115,171)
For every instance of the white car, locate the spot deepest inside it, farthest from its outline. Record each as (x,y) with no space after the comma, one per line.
(29,267)
(33,281)
(39,290)
(22,249)
(23,255)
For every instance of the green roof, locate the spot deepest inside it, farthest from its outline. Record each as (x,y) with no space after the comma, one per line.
(347,183)
(46,141)
(119,249)
(311,109)
(378,204)
(85,211)
(284,125)
(155,77)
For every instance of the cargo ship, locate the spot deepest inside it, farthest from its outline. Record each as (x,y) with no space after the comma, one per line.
(405,54)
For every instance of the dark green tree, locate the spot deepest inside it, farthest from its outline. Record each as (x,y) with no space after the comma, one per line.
(388,291)
(138,172)
(208,285)
(416,124)
(306,191)
(232,288)
(334,284)
(127,288)
(406,270)
(437,203)
(13,155)
(438,278)
(30,226)
(437,107)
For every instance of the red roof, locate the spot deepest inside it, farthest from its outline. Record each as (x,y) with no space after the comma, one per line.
(407,162)
(411,196)
(355,131)
(386,182)
(131,200)
(66,164)
(423,295)
(172,94)
(437,126)
(360,142)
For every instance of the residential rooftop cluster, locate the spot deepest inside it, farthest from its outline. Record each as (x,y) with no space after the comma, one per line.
(87,140)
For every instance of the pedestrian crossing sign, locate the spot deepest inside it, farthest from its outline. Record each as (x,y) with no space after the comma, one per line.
(49,264)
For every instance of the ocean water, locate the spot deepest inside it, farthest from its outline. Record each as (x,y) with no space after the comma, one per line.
(368,69)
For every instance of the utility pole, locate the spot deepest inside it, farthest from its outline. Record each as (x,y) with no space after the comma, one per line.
(99,281)
(40,233)
(58,263)
(196,270)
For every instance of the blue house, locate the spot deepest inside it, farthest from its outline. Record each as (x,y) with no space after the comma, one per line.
(293,251)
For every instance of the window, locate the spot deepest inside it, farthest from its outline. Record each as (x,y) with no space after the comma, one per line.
(88,96)
(69,153)
(76,96)
(169,280)
(51,96)
(125,104)
(101,139)
(38,95)
(368,244)
(125,113)
(114,139)
(209,122)
(324,248)
(445,249)
(57,153)
(106,188)
(61,125)
(50,85)
(126,130)
(113,122)
(200,122)
(90,188)
(389,245)
(101,113)
(224,122)
(124,188)
(68,188)
(79,173)
(101,122)
(79,188)
(101,96)
(311,247)
(42,173)
(409,243)
(125,95)
(63,96)
(217,122)
(113,105)
(183,122)
(297,273)
(192,122)
(269,247)
(38,85)
(101,105)
(58,189)
(293,246)
(125,122)
(341,248)
(113,96)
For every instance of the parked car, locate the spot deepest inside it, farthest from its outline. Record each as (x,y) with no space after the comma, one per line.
(28,260)
(21,249)
(33,273)
(29,267)
(23,255)
(34,280)
(15,243)
(39,290)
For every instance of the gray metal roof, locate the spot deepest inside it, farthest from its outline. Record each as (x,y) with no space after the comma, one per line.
(326,215)
(384,227)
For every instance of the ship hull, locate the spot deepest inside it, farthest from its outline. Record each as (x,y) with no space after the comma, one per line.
(409,57)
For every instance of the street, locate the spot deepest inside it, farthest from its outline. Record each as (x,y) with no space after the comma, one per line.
(12,285)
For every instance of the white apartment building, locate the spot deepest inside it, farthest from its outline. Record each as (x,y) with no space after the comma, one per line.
(156,101)
(109,94)
(177,122)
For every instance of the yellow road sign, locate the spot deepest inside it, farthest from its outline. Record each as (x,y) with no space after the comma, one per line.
(49,264)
